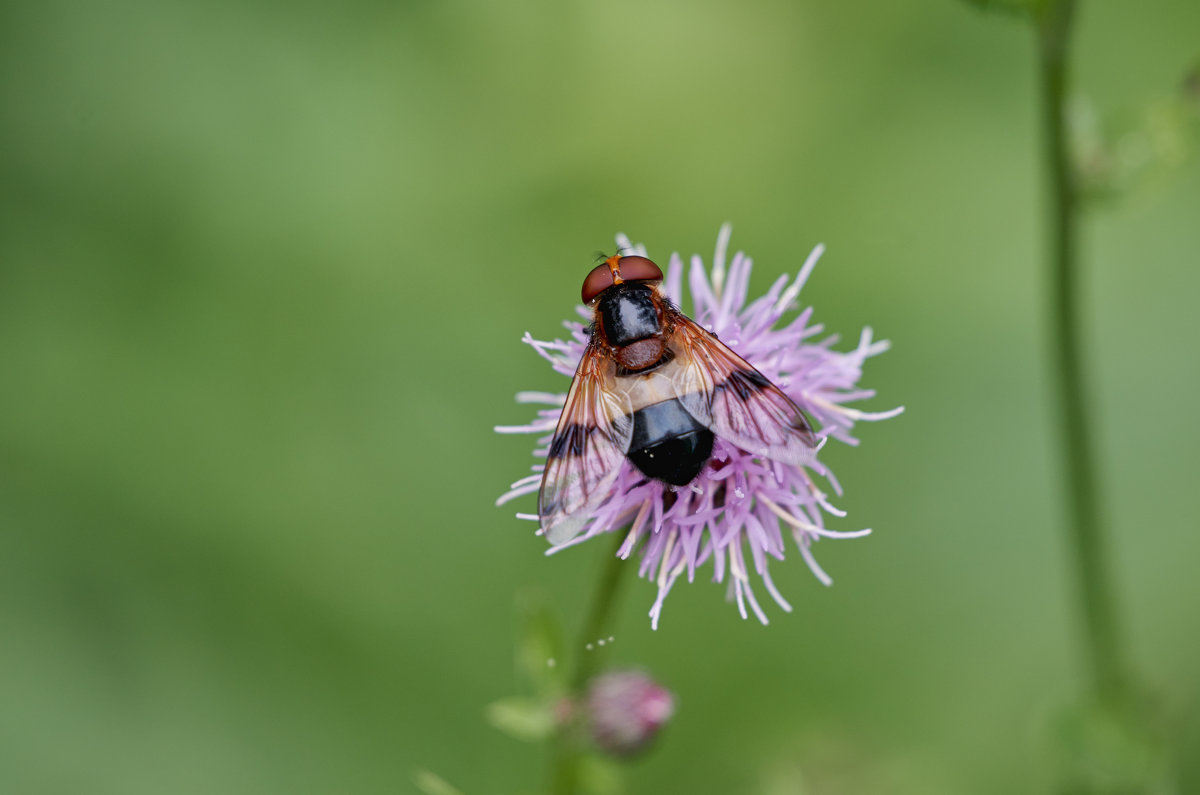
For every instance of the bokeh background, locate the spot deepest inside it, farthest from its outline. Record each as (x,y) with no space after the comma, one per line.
(264,268)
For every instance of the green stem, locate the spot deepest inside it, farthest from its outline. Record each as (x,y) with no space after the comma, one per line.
(1084,519)
(568,745)
(603,601)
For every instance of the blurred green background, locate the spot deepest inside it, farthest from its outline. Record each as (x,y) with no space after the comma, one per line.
(264,268)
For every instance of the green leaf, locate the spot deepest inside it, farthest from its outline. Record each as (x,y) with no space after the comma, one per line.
(433,784)
(539,651)
(526,719)
(600,776)
(1121,156)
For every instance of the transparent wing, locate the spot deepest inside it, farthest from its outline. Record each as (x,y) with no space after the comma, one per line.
(737,402)
(587,450)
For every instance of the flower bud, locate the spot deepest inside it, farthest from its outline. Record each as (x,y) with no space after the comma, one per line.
(625,710)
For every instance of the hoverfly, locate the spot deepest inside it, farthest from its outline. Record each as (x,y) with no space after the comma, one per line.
(655,388)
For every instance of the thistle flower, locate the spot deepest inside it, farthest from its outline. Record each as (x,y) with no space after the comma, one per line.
(738,511)
(625,710)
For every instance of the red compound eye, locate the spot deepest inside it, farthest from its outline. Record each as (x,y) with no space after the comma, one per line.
(637,269)
(599,280)
(632,269)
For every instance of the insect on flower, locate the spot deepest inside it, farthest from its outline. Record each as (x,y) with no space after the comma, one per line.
(693,438)
(655,387)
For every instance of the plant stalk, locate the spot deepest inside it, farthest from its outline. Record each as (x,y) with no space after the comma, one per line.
(568,746)
(1085,521)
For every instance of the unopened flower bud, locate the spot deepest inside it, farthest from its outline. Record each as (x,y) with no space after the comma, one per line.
(625,710)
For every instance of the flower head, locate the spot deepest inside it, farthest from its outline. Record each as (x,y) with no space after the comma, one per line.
(738,512)
(625,710)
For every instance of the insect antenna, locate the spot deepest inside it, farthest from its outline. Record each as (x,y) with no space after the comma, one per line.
(622,251)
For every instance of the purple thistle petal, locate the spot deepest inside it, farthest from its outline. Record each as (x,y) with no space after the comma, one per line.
(738,502)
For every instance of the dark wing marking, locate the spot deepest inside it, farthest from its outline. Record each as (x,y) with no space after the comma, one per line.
(587,449)
(736,402)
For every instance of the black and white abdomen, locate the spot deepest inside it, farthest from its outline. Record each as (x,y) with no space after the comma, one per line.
(668,443)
